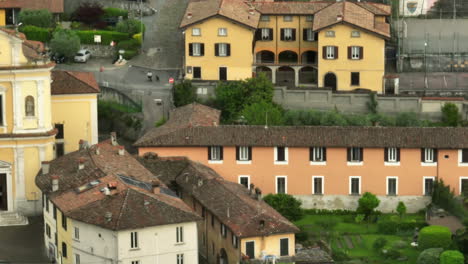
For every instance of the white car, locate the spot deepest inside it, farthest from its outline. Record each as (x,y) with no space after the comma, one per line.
(82,55)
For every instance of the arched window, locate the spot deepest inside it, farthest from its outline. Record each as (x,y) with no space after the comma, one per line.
(29,105)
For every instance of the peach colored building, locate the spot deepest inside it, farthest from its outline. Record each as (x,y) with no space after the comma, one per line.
(326,167)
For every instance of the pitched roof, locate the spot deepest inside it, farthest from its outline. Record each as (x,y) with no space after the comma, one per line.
(236,10)
(305,136)
(351,13)
(54,6)
(291,8)
(231,203)
(73,82)
(132,204)
(31,49)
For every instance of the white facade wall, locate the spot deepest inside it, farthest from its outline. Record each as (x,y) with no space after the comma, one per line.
(157,245)
(52,223)
(94,245)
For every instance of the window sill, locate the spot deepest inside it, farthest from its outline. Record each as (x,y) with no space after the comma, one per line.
(318,194)
(222,35)
(134,249)
(281,162)
(318,163)
(215,162)
(76,240)
(428,164)
(244,162)
(392,195)
(30,117)
(354,194)
(179,244)
(387,163)
(352,163)
(462,164)
(196,35)
(196,55)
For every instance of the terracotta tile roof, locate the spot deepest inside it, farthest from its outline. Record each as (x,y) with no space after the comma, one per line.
(33,49)
(231,203)
(304,136)
(292,8)
(376,8)
(236,10)
(350,13)
(73,82)
(132,204)
(54,6)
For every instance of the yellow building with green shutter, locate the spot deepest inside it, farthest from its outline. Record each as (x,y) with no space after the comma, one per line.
(232,40)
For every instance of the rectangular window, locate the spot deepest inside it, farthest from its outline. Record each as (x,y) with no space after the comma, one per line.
(281,184)
(463,156)
(355,34)
(355,78)
(222,32)
(1,110)
(64,221)
(197,72)
(48,230)
(180,234)
(330,34)
(392,155)
(309,18)
(264,18)
(135,262)
(464,186)
(428,155)
(196,49)
(308,34)
(330,52)
(317,185)
(244,180)
(265,34)
(60,131)
(196,32)
(392,186)
(77,233)
(55,212)
(284,247)
(243,153)
(287,18)
(215,153)
(223,230)
(202,90)
(47,204)
(355,154)
(354,185)
(428,186)
(222,49)
(317,154)
(133,240)
(355,53)
(250,249)
(212,220)
(64,250)
(281,155)
(77,259)
(180,258)
(59,149)
(235,241)
(288,34)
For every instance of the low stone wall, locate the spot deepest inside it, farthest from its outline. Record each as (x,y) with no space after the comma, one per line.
(350,202)
(100,51)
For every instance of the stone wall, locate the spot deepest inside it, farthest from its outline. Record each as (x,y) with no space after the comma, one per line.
(350,202)
(100,51)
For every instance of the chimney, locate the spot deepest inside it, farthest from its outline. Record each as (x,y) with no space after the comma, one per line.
(98,150)
(121,150)
(83,144)
(108,216)
(155,185)
(215,124)
(228,213)
(106,191)
(339,17)
(258,193)
(189,15)
(251,189)
(45,167)
(251,10)
(113,136)
(81,162)
(55,182)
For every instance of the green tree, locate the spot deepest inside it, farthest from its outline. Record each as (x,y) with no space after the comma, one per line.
(88,13)
(429,256)
(450,115)
(401,209)
(130,26)
(38,18)
(286,205)
(367,204)
(408,119)
(184,93)
(263,113)
(258,89)
(65,42)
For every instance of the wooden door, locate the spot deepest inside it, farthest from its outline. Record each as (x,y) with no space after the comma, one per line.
(3,192)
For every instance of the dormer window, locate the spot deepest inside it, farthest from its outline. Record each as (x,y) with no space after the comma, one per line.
(29,106)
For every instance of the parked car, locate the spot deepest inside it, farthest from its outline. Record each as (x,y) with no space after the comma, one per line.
(58,58)
(82,55)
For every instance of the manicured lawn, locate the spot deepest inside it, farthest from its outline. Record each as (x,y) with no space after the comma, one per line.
(357,239)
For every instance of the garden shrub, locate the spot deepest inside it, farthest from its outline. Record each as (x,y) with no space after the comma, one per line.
(339,255)
(130,54)
(401,209)
(88,13)
(65,42)
(444,197)
(115,12)
(38,18)
(138,37)
(129,44)
(451,115)
(367,204)
(303,235)
(87,36)
(184,93)
(36,33)
(263,113)
(399,244)
(461,240)
(387,227)
(286,205)
(452,257)
(392,253)
(434,237)
(379,243)
(130,27)
(429,256)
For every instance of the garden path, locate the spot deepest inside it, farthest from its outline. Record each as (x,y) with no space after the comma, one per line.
(449,221)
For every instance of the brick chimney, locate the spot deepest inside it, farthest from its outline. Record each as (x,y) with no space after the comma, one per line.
(155,184)
(121,150)
(113,137)
(55,182)
(83,144)
(81,162)
(45,165)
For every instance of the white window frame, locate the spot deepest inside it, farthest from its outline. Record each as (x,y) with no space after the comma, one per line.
(222,49)
(355,34)
(320,163)
(215,161)
(330,34)
(134,240)
(202,90)
(180,235)
(350,185)
(287,18)
(330,52)
(222,32)
(285,183)
(355,53)
(288,33)
(180,258)
(286,157)
(323,185)
(223,230)
(76,233)
(388,185)
(234,241)
(460,156)
(426,161)
(244,176)
(424,183)
(355,163)
(391,162)
(196,31)
(310,35)
(244,161)
(460,184)
(265,33)
(77,259)
(196,49)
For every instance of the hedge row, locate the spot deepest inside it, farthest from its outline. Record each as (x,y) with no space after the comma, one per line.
(87,36)
(391,227)
(435,237)
(37,33)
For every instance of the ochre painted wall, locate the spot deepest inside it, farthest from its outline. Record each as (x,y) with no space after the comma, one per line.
(371,67)
(65,236)
(336,172)
(2,17)
(239,64)
(269,244)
